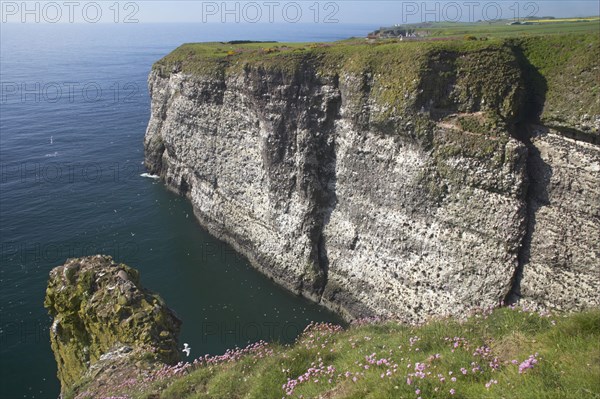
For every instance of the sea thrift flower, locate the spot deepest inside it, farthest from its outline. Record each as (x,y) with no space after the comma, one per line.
(452,391)
(489,383)
(312,374)
(495,364)
(528,364)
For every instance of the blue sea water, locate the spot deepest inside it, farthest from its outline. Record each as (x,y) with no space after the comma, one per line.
(73,111)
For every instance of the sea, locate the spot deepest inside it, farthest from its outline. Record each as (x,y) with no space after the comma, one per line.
(74,107)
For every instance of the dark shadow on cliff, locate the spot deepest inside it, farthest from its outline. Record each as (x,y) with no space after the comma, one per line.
(538,171)
(300,154)
(327,178)
(327,207)
(539,174)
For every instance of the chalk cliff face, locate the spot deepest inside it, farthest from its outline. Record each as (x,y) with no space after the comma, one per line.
(402,180)
(106,328)
(561,257)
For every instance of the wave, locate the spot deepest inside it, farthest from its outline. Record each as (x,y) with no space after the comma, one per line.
(148,175)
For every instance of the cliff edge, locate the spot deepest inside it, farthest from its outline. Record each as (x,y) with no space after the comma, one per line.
(107,330)
(393,179)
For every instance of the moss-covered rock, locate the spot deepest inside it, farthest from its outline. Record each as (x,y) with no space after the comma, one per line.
(104,319)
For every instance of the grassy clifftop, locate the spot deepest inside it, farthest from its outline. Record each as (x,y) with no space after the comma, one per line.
(554,77)
(565,77)
(505,353)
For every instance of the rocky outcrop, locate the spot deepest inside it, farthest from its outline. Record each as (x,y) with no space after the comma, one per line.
(394,180)
(106,328)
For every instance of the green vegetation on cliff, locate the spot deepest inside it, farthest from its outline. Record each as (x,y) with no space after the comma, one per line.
(565,77)
(552,77)
(505,353)
(503,28)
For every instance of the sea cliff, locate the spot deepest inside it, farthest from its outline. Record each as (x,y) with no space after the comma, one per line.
(393,179)
(407,181)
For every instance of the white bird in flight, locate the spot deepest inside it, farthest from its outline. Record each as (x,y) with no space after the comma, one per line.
(186,349)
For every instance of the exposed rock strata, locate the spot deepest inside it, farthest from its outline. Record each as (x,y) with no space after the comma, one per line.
(561,255)
(396,190)
(106,328)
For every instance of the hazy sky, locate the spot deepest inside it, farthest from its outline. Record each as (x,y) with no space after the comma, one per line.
(351,11)
(283,11)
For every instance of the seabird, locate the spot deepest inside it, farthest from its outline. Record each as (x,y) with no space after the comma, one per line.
(186,349)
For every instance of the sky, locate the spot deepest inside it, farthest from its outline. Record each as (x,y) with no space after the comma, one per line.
(283,11)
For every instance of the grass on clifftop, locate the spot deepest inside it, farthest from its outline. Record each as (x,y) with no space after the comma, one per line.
(567,75)
(204,57)
(500,28)
(504,353)
(556,63)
